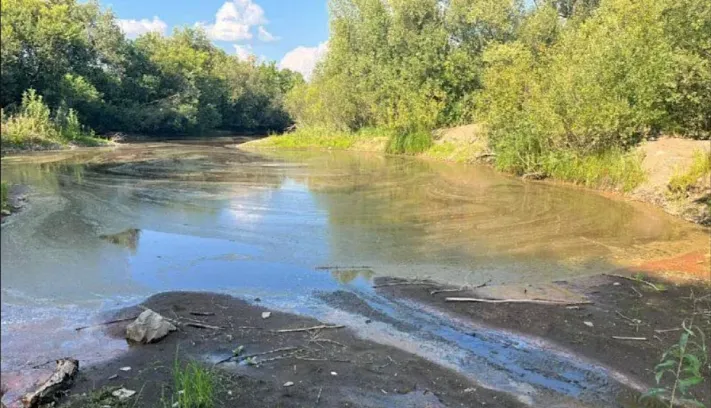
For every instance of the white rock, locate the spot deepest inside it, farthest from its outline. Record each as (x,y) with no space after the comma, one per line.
(266,315)
(127,368)
(123,393)
(616,284)
(334,373)
(288,384)
(589,324)
(148,327)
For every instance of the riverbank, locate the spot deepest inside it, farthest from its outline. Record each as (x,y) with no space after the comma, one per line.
(597,347)
(648,174)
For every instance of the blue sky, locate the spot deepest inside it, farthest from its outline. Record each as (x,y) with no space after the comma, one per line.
(269,29)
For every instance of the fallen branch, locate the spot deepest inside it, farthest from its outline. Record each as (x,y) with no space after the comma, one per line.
(335,268)
(629,338)
(60,380)
(537,301)
(633,279)
(329,341)
(279,350)
(306,329)
(461,289)
(264,353)
(202,326)
(318,397)
(322,359)
(106,323)
(202,313)
(406,283)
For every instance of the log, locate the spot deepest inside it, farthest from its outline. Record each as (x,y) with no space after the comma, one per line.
(537,301)
(61,380)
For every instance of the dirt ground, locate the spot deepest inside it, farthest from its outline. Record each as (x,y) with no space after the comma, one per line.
(330,368)
(620,307)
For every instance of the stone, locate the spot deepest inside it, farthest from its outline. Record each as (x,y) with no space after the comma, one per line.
(149,327)
(123,393)
(266,315)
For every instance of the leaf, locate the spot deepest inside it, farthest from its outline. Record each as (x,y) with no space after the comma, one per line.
(689,382)
(653,392)
(687,401)
(236,352)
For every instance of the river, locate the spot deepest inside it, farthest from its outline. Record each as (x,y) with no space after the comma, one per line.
(108,227)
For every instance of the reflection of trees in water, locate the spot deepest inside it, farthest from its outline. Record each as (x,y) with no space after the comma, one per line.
(128,239)
(349,275)
(393,207)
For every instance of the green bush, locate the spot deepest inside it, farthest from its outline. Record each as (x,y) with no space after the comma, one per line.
(33,124)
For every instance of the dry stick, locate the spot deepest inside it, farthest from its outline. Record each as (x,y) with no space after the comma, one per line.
(635,280)
(202,326)
(402,284)
(330,341)
(327,268)
(106,323)
(629,338)
(659,331)
(538,301)
(462,289)
(305,329)
(636,291)
(202,313)
(318,397)
(634,321)
(279,350)
(322,359)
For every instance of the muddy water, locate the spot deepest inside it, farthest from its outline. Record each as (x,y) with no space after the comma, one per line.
(105,228)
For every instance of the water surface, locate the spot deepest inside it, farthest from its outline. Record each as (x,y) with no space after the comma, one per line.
(108,227)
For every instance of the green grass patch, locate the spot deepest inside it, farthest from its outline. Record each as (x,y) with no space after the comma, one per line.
(409,143)
(681,181)
(193,386)
(454,152)
(611,170)
(311,137)
(3,196)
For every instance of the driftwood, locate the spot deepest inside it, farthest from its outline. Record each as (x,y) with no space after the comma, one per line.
(305,329)
(537,301)
(61,380)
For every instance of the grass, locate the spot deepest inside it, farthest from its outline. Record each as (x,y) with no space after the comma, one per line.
(99,399)
(614,170)
(454,152)
(682,181)
(3,196)
(409,143)
(193,385)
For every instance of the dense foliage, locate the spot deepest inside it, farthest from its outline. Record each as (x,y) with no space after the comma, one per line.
(554,81)
(74,55)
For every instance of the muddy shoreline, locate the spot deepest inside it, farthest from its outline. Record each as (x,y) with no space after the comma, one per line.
(370,374)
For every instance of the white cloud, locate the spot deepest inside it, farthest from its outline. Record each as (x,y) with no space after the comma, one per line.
(265,35)
(134,28)
(234,21)
(243,52)
(304,59)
